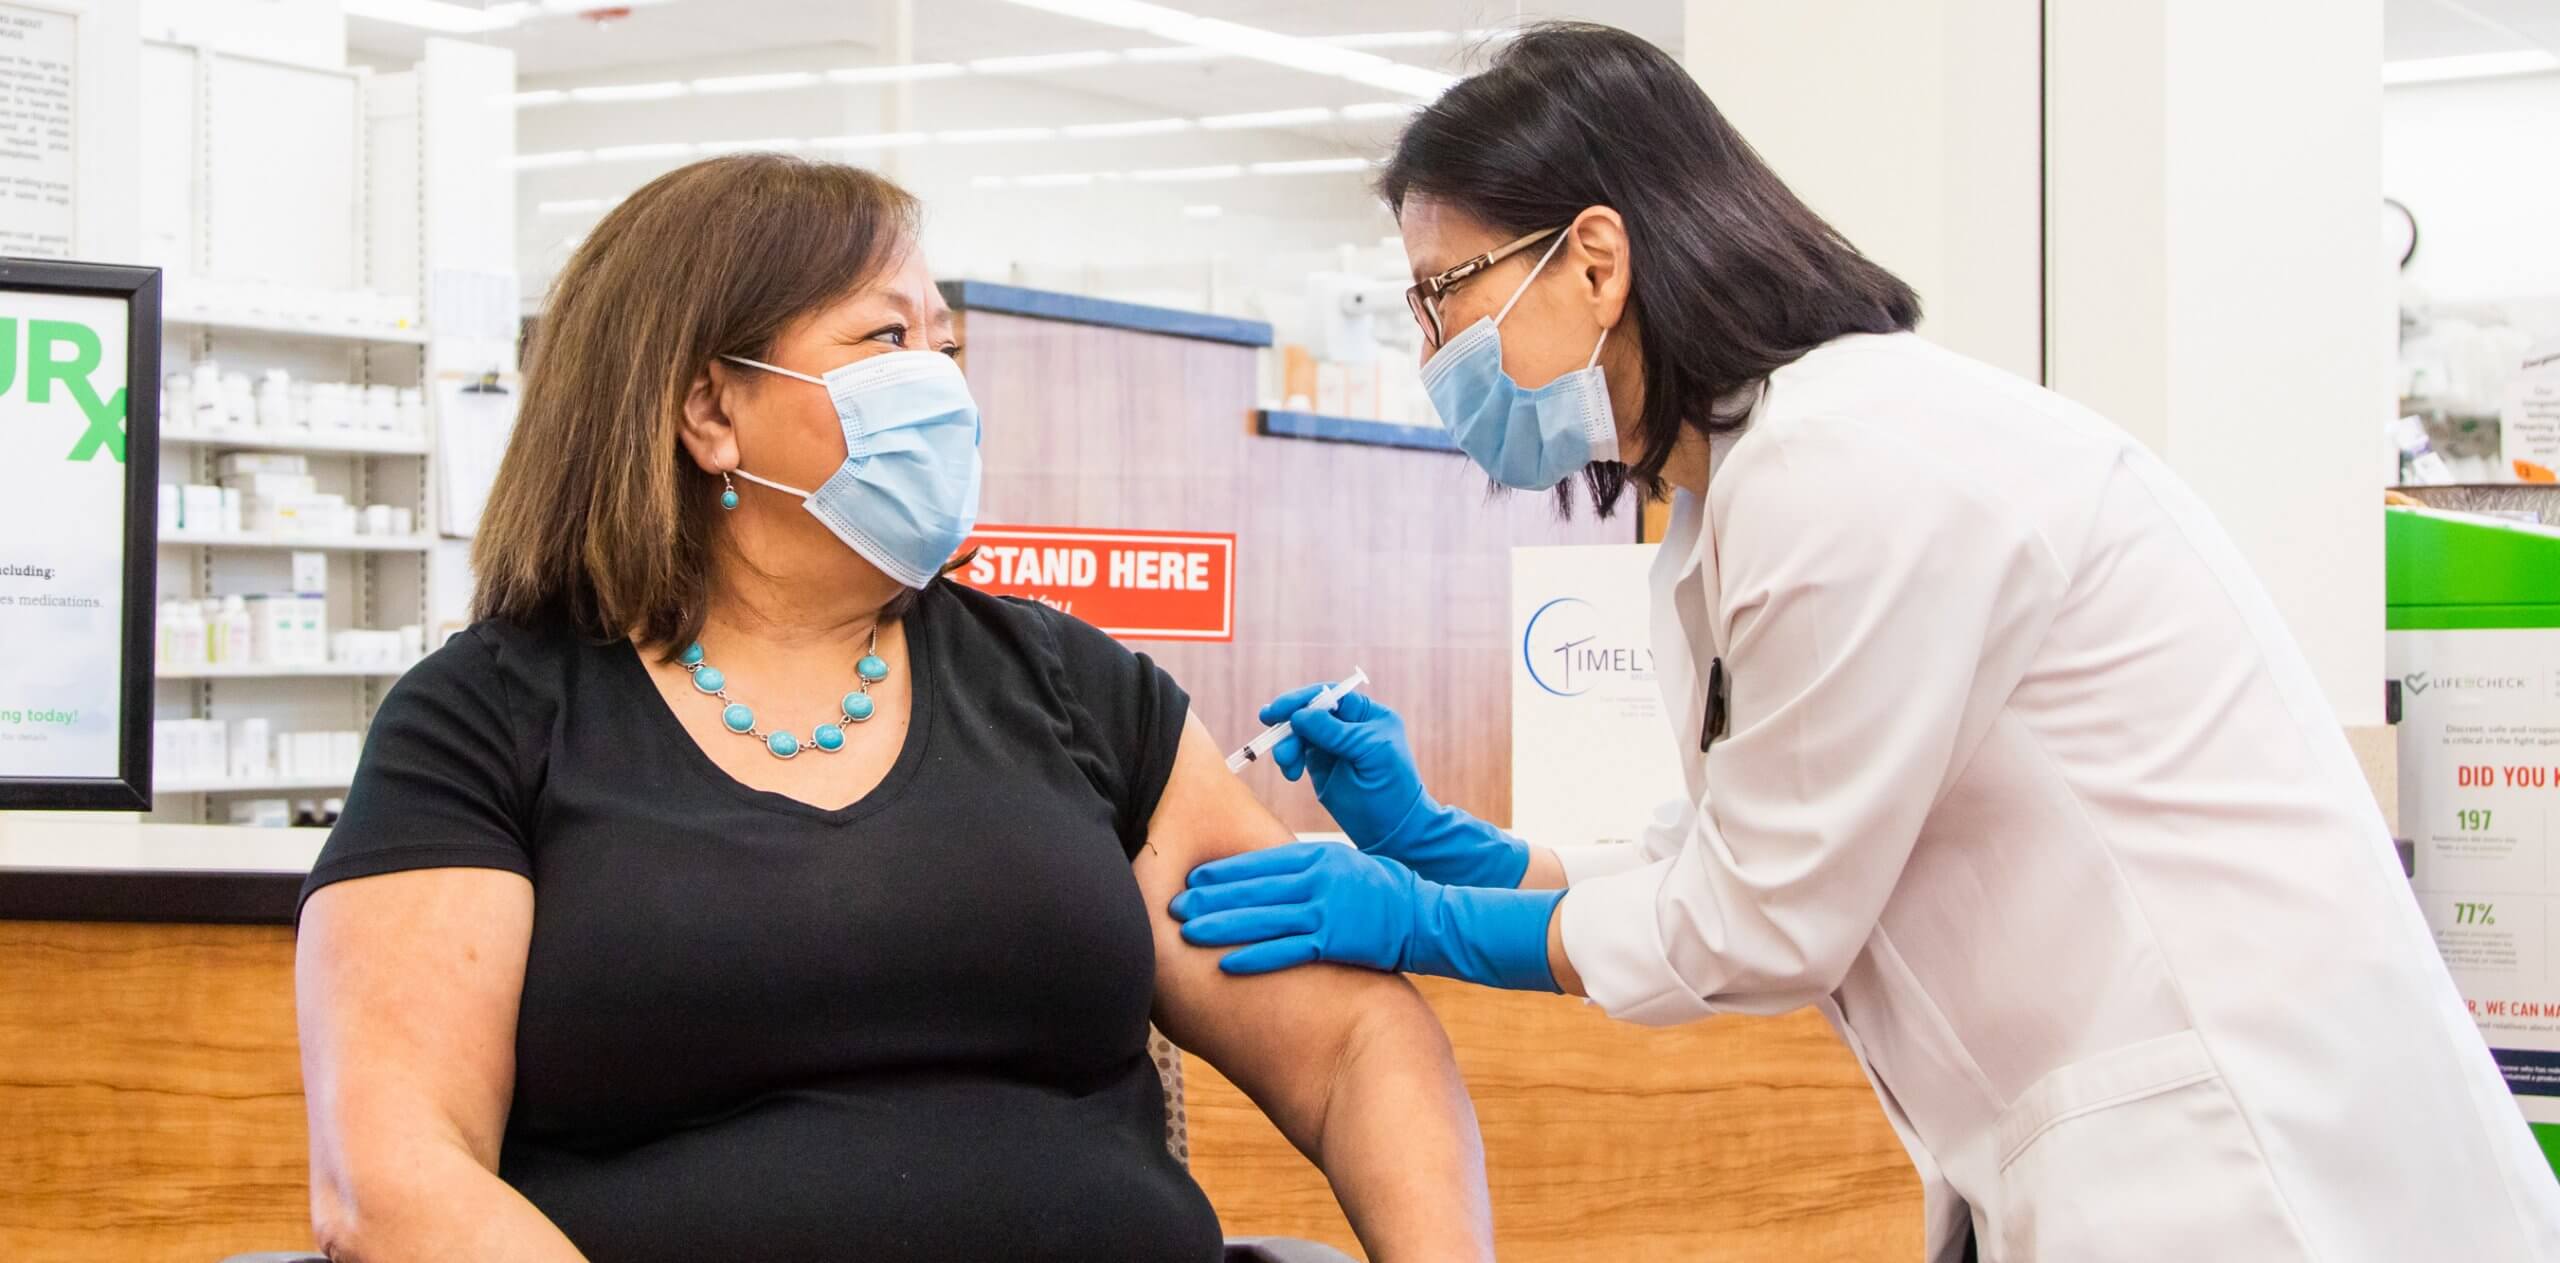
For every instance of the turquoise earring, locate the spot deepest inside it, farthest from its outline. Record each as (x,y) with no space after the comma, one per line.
(728,491)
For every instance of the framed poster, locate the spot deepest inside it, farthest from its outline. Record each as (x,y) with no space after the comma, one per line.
(79,532)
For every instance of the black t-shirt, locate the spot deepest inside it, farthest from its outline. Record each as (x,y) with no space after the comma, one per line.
(911,1028)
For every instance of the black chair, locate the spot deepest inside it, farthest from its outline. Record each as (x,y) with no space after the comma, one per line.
(1177,1138)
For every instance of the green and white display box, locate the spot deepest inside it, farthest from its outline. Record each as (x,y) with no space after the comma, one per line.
(2474,644)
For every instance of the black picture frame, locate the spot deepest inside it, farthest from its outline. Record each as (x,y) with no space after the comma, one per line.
(140,290)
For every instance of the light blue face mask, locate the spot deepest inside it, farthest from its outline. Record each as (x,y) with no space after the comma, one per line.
(1527,439)
(907,494)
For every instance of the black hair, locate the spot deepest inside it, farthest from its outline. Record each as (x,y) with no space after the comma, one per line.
(1733,276)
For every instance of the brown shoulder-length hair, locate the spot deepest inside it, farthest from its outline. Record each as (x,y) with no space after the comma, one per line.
(598,518)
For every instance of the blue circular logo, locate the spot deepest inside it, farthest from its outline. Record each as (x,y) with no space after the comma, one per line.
(1547,645)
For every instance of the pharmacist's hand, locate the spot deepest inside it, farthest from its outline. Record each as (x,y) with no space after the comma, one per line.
(1361,764)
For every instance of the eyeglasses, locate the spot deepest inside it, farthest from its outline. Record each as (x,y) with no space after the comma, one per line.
(1425,296)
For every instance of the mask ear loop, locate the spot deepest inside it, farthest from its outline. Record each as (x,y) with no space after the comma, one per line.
(773,368)
(1523,291)
(767,482)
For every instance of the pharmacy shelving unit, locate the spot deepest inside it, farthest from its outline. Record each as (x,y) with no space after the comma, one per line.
(269,178)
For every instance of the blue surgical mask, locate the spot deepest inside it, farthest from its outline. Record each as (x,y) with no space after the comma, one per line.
(1527,439)
(907,494)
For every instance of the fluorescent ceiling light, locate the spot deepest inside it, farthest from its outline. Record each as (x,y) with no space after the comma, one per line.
(1038,63)
(1203,212)
(1178,27)
(1268,118)
(1380,109)
(558,158)
(731,84)
(1178,175)
(433,15)
(896,74)
(642,153)
(1138,127)
(986,182)
(993,135)
(771,144)
(1310,166)
(2525,61)
(572,206)
(629,91)
(542,96)
(1055,180)
(1176,53)
(876,140)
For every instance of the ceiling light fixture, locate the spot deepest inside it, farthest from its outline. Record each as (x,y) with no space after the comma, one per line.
(629,91)
(912,73)
(1136,127)
(730,85)
(2526,61)
(994,135)
(1268,118)
(770,144)
(1182,175)
(643,153)
(556,158)
(543,96)
(1055,180)
(1380,109)
(1310,166)
(876,140)
(433,15)
(1038,63)
(1177,27)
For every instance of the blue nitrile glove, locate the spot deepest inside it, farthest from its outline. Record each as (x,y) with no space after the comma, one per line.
(1364,775)
(1310,901)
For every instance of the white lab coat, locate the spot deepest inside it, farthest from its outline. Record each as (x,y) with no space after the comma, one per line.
(2027,788)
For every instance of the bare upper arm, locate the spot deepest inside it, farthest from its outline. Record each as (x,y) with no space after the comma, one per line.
(1259,1031)
(406,987)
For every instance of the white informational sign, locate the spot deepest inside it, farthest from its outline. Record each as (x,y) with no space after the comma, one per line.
(1592,753)
(38,50)
(2480,800)
(2529,426)
(62,534)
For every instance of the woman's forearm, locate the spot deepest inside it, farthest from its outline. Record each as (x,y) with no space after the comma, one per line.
(1398,1139)
(432,1202)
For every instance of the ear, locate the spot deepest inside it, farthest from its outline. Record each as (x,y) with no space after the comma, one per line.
(1599,244)
(707,431)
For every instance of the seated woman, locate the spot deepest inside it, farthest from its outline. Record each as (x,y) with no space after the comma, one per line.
(739,888)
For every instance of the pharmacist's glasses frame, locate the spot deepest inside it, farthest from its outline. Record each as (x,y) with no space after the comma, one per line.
(1425,295)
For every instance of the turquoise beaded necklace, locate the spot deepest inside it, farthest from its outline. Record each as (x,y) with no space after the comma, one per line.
(738,718)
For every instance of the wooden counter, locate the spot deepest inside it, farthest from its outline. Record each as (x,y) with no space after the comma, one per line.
(151,1109)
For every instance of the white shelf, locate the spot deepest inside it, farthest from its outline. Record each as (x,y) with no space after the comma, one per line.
(285,785)
(294,326)
(302,543)
(271,671)
(320,442)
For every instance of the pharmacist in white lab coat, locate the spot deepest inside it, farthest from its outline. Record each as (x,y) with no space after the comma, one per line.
(1997,754)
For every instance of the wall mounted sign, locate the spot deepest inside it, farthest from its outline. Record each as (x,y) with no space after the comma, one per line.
(79,535)
(1135,585)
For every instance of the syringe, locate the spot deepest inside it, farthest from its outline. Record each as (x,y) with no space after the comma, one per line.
(1262,742)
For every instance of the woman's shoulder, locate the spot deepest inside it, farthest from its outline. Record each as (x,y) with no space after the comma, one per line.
(518,666)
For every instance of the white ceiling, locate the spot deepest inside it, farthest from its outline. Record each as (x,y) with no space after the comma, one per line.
(2418,29)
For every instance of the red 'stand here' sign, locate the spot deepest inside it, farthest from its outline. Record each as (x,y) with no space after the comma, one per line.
(1136,585)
